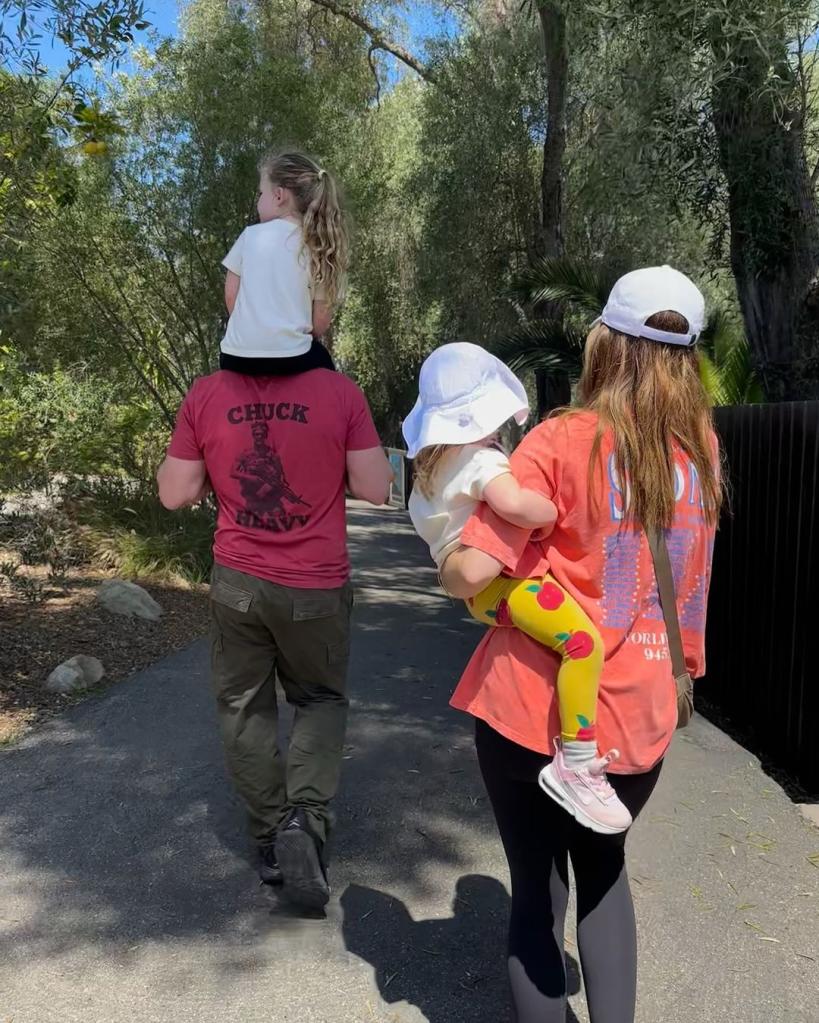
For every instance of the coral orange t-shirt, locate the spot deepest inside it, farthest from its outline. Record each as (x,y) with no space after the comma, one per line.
(607,568)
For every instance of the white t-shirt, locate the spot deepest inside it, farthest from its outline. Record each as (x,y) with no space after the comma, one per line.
(459,482)
(273,315)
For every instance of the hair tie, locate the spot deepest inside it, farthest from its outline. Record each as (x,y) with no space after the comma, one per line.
(321,173)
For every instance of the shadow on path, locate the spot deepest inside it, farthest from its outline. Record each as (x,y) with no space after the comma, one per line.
(118,825)
(452,969)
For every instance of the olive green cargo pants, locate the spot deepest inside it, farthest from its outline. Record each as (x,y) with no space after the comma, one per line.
(261,631)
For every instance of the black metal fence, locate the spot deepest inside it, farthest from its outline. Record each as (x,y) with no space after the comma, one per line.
(763,612)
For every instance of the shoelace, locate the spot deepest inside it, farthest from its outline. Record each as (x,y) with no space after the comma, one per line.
(596,770)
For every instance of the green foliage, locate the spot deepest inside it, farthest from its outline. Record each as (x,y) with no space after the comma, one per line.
(388,324)
(480,142)
(579,286)
(128,530)
(118,202)
(38,111)
(726,367)
(132,265)
(547,346)
(69,423)
(555,345)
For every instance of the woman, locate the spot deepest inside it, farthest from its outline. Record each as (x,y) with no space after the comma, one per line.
(638,454)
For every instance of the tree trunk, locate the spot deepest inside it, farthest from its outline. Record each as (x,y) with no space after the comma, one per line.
(553,389)
(772,215)
(556,61)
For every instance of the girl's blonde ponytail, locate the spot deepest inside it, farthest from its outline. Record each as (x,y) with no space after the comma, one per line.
(317,199)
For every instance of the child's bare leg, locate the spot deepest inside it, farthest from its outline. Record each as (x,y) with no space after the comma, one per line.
(467,571)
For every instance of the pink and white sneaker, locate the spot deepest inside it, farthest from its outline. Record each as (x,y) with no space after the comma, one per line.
(585,792)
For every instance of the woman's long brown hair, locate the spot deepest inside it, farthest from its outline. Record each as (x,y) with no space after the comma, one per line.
(649,395)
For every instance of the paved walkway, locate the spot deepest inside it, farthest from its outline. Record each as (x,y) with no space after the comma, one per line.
(126,895)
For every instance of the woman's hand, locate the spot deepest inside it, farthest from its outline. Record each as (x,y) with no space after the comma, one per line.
(467,571)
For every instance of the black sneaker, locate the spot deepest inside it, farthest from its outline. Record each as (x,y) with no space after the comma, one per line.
(300,858)
(269,870)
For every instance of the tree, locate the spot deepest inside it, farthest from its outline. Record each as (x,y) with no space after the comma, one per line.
(554,345)
(389,322)
(130,270)
(735,130)
(496,22)
(40,114)
(37,109)
(759,118)
(480,201)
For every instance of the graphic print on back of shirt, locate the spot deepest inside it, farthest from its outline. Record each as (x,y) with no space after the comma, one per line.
(269,500)
(620,604)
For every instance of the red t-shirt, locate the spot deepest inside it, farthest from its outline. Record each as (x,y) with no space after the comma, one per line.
(275,451)
(510,680)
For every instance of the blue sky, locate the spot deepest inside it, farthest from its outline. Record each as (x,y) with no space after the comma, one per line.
(422,21)
(162,15)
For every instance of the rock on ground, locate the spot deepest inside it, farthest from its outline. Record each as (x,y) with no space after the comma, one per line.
(126,598)
(80,672)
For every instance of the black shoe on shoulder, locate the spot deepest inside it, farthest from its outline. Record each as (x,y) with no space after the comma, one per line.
(269,870)
(300,857)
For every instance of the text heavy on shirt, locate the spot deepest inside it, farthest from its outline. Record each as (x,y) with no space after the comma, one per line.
(606,566)
(275,452)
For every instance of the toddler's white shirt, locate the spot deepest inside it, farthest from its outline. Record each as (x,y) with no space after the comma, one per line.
(458,482)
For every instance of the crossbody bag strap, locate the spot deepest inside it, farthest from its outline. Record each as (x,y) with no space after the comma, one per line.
(668,599)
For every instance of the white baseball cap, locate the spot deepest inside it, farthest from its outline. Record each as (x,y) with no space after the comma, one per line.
(465,394)
(638,295)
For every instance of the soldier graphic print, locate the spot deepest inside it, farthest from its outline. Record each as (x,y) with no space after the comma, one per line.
(268,499)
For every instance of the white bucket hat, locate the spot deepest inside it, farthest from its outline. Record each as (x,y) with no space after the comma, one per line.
(636,297)
(465,394)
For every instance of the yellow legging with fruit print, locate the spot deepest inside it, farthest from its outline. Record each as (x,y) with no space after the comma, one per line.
(549,614)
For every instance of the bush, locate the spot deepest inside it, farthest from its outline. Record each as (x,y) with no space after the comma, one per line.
(34,537)
(70,423)
(128,530)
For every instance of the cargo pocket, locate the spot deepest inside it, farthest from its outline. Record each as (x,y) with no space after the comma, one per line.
(338,653)
(230,596)
(217,645)
(316,604)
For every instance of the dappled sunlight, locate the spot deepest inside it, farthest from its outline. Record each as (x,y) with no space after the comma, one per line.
(135,838)
(125,858)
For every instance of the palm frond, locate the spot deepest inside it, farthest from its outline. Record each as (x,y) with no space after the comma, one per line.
(720,334)
(712,378)
(728,374)
(579,289)
(739,378)
(547,346)
(578,284)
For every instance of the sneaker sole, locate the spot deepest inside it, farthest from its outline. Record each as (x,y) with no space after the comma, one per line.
(554,789)
(302,876)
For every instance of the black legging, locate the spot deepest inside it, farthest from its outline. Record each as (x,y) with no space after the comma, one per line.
(539,838)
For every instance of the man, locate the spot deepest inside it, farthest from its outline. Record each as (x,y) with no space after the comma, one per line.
(278,451)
